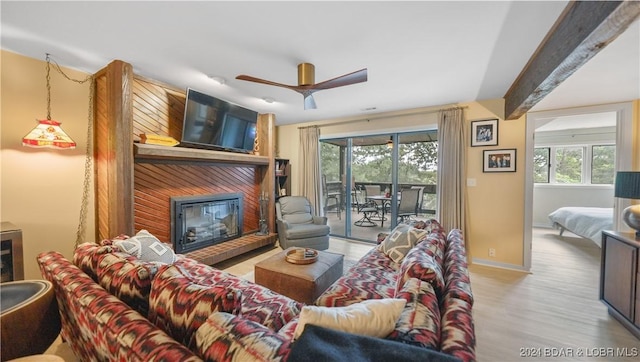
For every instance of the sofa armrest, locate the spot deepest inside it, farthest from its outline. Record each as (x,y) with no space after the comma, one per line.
(282,224)
(226,337)
(320,220)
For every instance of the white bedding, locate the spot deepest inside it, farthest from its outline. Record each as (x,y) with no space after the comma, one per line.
(587,222)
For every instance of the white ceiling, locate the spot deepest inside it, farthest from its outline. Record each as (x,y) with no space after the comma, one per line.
(418,53)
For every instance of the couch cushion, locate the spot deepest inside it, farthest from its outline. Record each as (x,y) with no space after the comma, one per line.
(421,263)
(87,255)
(374,276)
(226,337)
(179,305)
(305,231)
(295,210)
(429,225)
(419,322)
(259,304)
(374,317)
(402,238)
(127,279)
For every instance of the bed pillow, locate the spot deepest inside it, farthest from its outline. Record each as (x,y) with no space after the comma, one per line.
(373,317)
(147,247)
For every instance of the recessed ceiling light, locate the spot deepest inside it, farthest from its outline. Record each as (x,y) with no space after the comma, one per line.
(268,99)
(218,79)
(369,109)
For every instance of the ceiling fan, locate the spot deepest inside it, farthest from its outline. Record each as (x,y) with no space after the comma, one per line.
(306,85)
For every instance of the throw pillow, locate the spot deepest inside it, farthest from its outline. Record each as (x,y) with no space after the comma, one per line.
(373,317)
(147,247)
(401,240)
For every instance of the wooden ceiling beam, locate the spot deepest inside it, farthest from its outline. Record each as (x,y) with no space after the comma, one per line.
(582,30)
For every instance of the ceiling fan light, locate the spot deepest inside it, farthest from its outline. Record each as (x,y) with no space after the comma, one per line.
(309,102)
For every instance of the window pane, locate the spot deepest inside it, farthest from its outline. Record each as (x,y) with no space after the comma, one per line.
(417,165)
(603,164)
(541,165)
(568,165)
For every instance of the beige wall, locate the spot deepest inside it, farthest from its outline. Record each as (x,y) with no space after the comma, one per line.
(41,189)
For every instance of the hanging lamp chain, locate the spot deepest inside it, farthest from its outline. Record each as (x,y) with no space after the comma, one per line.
(48,88)
(88,168)
(88,162)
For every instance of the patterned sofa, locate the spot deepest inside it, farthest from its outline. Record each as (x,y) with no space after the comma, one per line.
(115,306)
(430,272)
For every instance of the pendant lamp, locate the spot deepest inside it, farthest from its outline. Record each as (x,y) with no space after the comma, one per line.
(48,132)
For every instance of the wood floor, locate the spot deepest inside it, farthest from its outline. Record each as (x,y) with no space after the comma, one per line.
(552,313)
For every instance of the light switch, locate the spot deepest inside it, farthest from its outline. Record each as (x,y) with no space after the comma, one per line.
(471,182)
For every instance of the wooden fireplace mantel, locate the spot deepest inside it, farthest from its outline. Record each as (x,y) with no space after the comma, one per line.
(146,151)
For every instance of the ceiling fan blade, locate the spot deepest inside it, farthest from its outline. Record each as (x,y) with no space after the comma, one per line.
(358,76)
(263,81)
(309,102)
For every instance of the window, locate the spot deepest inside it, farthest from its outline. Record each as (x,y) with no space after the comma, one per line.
(566,164)
(603,164)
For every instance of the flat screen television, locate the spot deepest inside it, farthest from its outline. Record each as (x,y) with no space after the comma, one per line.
(213,123)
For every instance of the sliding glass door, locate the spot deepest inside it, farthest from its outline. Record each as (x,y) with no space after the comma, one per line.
(363,179)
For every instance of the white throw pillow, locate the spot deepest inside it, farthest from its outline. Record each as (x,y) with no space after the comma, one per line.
(373,317)
(147,247)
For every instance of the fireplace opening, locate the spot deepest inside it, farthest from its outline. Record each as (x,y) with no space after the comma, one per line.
(205,220)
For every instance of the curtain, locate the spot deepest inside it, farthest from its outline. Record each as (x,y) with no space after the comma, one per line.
(452,165)
(309,169)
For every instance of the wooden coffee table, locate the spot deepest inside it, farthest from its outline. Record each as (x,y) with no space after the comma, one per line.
(301,282)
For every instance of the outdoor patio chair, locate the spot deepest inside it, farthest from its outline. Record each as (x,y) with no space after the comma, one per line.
(369,208)
(336,196)
(408,204)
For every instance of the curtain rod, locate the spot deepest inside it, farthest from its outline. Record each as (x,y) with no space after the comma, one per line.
(387,116)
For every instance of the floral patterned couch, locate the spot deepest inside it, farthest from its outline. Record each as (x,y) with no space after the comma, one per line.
(115,306)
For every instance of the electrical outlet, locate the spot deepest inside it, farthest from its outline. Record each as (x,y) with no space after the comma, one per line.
(492,252)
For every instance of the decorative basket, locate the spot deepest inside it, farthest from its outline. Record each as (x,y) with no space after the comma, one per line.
(302,256)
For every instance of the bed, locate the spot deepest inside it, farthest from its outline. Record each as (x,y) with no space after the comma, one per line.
(587,222)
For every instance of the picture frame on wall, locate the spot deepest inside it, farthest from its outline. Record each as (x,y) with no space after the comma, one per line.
(499,160)
(484,133)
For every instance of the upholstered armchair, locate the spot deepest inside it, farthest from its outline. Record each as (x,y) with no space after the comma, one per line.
(297,226)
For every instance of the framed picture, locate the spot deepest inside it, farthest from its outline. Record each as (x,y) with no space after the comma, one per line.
(499,160)
(484,133)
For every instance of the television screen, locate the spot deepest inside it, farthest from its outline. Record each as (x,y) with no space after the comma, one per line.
(213,123)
